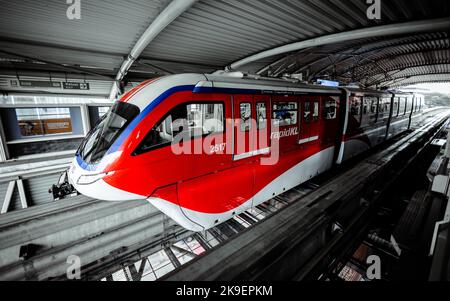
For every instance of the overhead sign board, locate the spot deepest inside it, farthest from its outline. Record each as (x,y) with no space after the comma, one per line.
(328,83)
(39,84)
(75,86)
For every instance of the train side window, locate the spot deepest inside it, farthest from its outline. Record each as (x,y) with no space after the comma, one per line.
(381,109)
(373,106)
(204,119)
(245,116)
(366,106)
(185,121)
(307,112)
(387,106)
(285,113)
(373,109)
(395,107)
(330,109)
(261,114)
(402,106)
(315,113)
(355,108)
(409,105)
(384,107)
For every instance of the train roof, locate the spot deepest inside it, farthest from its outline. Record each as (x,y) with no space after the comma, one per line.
(235,83)
(268,85)
(367,91)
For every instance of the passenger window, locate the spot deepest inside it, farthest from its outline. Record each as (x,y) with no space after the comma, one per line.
(245,116)
(285,113)
(189,120)
(261,114)
(373,108)
(366,105)
(373,105)
(307,112)
(204,119)
(316,111)
(402,106)
(409,105)
(384,107)
(355,108)
(395,108)
(330,109)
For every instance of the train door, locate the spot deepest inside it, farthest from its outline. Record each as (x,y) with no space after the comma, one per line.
(309,131)
(221,186)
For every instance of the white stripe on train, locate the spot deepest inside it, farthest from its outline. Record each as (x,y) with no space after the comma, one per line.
(300,173)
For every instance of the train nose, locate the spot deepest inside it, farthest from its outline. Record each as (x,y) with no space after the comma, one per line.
(95,184)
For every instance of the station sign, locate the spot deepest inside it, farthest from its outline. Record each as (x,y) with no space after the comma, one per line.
(75,86)
(39,84)
(50,84)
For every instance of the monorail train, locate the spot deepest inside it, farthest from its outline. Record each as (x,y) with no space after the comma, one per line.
(254,139)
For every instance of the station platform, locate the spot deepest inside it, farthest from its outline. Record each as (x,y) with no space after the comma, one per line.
(134,241)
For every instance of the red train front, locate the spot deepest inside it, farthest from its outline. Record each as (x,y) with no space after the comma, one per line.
(203,148)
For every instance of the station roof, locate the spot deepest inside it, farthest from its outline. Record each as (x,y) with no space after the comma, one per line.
(210,35)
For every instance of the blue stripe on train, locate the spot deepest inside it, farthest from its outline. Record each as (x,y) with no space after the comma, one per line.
(157,101)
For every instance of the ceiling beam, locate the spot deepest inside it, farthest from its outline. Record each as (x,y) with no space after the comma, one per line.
(58,65)
(393,76)
(113,55)
(387,57)
(372,72)
(167,16)
(372,49)
(370,32)
(397,81)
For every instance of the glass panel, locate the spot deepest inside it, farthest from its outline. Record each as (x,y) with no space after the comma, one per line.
(190,120)
(100,139)
(373,108)
(285,113)
(409,105)
(307,112)
(395,108)
(355,107)
(261,114)
(245,116)
(330,109)
(381,108)
(402,106)
(102,111)
(366,106)
(316,111)
(44,121)
(384,107)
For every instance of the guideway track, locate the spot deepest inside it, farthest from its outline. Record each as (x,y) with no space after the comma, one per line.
(104,235)
(294,241)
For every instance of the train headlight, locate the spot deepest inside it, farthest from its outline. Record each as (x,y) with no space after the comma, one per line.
(89,179)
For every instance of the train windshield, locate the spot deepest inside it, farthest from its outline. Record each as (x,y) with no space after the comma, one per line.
(107,130)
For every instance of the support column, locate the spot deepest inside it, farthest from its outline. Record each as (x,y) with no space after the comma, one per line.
(8,196)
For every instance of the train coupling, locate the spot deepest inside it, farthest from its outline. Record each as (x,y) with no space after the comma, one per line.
(63,188)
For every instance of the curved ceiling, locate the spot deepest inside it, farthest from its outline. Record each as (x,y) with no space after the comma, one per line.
(373,62)
(37,35)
